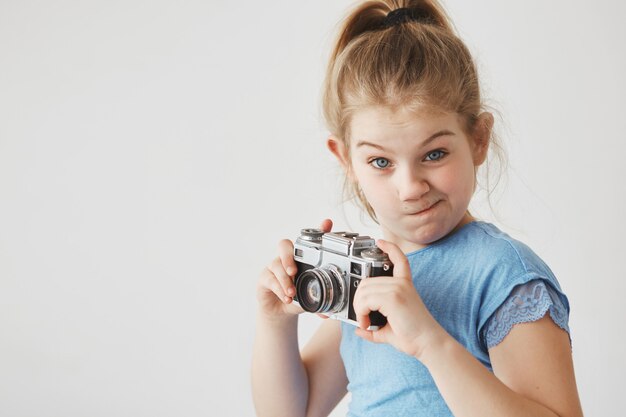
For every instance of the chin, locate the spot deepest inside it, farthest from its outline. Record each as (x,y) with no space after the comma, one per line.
(425,239)
(427,234)
(416,234)
(417,239)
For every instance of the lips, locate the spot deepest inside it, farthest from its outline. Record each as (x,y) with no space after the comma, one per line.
(423,210)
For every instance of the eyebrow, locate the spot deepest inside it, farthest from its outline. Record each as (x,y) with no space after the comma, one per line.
(426,142)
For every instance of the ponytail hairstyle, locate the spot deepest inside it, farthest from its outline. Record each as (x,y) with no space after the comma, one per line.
(414,61)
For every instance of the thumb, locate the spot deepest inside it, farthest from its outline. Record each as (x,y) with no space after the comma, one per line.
(374,336)
(326,225)
(400,263)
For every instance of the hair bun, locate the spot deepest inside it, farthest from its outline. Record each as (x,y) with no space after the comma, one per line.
(406,14)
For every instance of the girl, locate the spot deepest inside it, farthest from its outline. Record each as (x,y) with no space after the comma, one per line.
(477,323)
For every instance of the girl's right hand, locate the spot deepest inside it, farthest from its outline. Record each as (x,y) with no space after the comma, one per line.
(275,289)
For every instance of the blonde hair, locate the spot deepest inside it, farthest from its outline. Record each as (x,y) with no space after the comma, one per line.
(417,62)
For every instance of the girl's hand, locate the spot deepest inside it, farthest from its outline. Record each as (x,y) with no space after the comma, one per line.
(410,326)
(275,289)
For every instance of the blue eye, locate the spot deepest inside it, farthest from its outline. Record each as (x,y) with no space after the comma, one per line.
(380,163)
(435,155)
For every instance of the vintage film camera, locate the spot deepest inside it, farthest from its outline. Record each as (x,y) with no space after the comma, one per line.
(330,268)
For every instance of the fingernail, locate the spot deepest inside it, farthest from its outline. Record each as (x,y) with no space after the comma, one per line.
(291,270)
(291,291)
(287,300)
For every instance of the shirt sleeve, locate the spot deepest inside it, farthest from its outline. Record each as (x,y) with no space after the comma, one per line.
(526,303)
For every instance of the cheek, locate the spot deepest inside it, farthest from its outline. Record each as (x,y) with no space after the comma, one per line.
(368,184)
(459,181)
(361,175)
(372,185)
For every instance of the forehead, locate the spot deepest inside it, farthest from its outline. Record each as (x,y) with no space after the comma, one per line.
(382,123)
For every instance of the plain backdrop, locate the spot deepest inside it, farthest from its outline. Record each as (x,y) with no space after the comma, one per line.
(152,154)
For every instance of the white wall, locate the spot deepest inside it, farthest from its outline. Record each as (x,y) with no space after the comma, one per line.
(152,153)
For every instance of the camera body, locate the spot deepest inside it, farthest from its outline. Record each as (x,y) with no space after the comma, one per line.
(330,269)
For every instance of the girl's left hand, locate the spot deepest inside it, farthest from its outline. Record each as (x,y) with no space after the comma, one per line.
(410,327)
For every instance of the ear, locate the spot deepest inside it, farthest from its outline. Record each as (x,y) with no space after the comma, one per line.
(339,149)
(481,137)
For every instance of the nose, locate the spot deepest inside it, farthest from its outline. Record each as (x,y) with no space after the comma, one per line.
(410,184)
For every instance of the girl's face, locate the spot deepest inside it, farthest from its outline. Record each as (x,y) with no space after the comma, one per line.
(417,171)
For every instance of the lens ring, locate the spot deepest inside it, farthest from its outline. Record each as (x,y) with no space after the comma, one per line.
(338,299)
(303,282)
(320,290)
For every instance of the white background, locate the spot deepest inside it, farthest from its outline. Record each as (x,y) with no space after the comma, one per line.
(152,153)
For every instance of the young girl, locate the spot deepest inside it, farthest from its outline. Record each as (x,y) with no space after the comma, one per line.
(477,323)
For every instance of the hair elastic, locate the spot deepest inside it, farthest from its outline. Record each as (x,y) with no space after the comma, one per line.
(405,14)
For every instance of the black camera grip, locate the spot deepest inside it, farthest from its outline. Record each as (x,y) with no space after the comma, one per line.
(377,319)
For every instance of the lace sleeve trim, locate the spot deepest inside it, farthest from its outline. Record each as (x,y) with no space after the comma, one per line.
(527,303)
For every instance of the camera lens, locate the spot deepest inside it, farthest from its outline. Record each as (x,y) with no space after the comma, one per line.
(320,290)
(314,291)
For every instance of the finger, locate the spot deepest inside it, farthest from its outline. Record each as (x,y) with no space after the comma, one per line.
(285,252)
(270,282)
(327,225)
(401,266)
(374,336)
(322,316)
(364,303)
(363,321)
(284,279)
(365,334)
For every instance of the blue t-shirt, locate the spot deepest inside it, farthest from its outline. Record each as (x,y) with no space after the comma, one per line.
(477,283)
